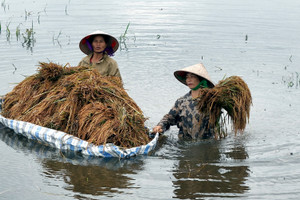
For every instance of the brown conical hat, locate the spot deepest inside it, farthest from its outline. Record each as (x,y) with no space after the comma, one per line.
(84,46)
(197,69)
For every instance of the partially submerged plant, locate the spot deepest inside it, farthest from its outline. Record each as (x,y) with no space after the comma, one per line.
(7,31)
(292,80)
(123,38)
(18,32)
(28,38)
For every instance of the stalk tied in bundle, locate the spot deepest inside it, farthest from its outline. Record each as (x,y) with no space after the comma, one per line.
(231,94)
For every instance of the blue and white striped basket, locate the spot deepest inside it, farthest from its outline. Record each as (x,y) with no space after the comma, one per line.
(64,141)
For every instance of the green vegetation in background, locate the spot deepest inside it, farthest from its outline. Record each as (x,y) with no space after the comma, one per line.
(123,37)
(28,38)
(23,33)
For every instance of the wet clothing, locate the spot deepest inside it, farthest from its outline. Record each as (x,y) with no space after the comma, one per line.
(191,123)
(106,66)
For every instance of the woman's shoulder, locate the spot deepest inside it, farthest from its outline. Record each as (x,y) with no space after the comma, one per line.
(110,59)
(184,97)
(86,58)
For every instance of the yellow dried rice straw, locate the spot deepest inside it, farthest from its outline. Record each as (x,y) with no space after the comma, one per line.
(79,101)
(231,94)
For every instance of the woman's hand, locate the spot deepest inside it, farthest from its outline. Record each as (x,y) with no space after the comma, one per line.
(157,129)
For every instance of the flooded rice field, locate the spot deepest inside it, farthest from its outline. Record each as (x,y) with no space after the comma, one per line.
(256,40)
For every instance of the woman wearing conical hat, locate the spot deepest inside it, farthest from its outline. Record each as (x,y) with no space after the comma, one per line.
(99,47)
(191,123)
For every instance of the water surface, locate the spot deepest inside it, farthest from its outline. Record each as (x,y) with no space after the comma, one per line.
(257,40)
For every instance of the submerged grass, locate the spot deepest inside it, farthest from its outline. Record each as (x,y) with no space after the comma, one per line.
(28,38)
(18,32)
(4,5)
(8,31)
(231,94)
(292,80)
(79,101)
(123,38)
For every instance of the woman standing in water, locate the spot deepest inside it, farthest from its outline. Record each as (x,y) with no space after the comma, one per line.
(99,47)
(191,123)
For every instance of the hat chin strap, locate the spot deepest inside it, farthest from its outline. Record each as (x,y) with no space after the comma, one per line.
(202,84)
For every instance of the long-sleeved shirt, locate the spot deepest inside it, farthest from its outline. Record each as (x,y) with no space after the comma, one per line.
(191,123)
(106,66)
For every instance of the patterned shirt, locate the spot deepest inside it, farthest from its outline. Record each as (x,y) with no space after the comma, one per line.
(106,66)
(191,123)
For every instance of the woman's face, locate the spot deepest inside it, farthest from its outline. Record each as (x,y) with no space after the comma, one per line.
(192,80)
(98,44)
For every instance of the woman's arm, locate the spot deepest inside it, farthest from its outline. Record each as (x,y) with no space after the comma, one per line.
(169,119)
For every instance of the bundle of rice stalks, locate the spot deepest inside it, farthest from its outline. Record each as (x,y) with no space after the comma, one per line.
(231,94)
(78,101)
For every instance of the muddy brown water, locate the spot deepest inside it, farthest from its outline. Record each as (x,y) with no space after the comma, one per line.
(257,40)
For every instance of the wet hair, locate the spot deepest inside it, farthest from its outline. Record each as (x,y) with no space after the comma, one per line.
(109,50)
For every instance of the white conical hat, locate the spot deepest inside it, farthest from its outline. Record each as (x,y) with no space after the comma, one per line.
(197,69)
(84,43)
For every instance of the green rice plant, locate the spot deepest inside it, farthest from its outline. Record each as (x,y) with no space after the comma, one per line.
(14,68)
(66,10)
(8,32)
(59,34)
(18,32)
(27,14)
(124,37)
(3,5)
(291,80)
(28,38)
(56,39)
(126,30)
(45,9)
(39,16)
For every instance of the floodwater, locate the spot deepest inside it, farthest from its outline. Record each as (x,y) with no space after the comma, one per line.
(258,40)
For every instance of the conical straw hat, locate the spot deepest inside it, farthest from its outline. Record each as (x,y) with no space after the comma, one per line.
(197,69)
(85,44)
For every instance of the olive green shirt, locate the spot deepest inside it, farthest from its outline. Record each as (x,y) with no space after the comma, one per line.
(106,66)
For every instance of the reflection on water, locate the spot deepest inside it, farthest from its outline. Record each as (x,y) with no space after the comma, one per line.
(25,145)
(203,170)
(103,179)
(82,174)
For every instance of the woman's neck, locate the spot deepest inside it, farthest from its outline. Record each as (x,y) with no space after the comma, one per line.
(195,93)
(96,57)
